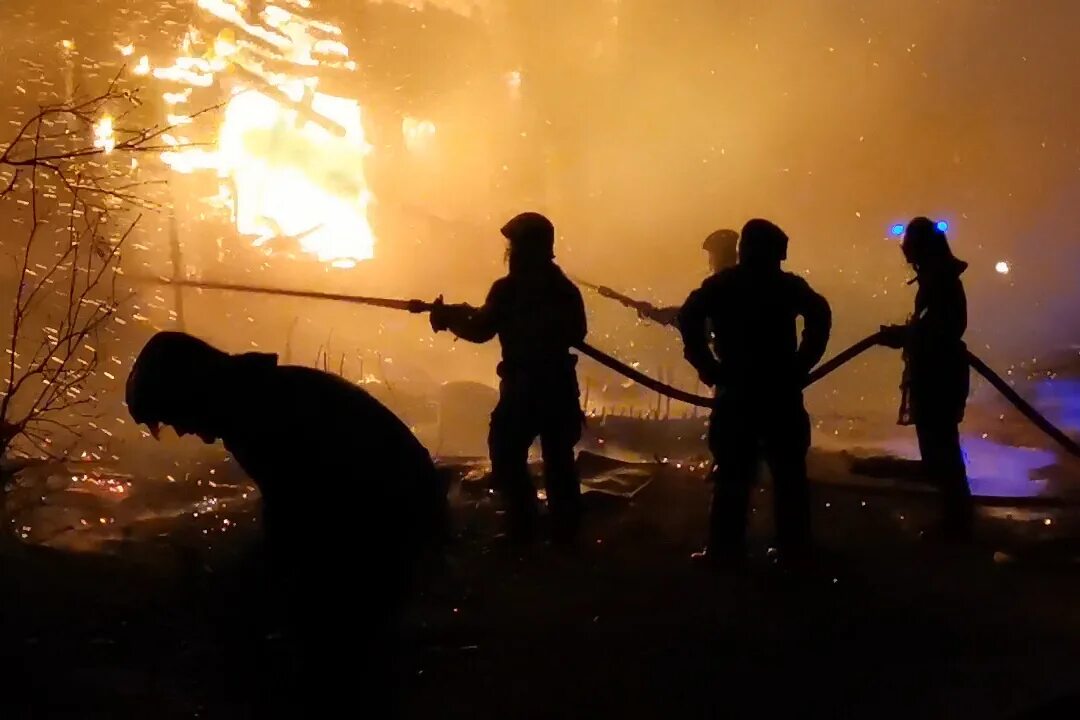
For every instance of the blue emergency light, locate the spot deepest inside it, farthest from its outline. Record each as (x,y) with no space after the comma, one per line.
(898,229)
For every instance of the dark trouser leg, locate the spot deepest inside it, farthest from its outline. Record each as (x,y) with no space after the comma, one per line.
(786,445)
(943,462)
(735,457)
(509,439)
(557,440)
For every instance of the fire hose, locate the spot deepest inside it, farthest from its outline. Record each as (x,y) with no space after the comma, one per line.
(420,306)
(700,400)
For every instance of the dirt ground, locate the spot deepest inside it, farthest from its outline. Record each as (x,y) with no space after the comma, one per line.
(889,625)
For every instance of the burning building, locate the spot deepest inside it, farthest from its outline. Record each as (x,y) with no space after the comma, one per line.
(285,159)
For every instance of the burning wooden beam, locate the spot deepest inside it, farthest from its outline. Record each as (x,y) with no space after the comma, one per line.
(302,107)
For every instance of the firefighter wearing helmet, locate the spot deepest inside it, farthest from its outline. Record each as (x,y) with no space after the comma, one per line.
(759,367)
(537,314)
(936,377)
(722,248)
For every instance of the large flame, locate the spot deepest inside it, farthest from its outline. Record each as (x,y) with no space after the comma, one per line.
(288,158)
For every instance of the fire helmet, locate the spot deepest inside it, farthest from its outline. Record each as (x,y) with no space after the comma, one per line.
(925,241)
(721,241)
(723,245)
(167,378)
(762,243)
(531,230)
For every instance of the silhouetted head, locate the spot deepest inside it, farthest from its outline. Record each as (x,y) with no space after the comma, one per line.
(723,249)
(926,247)
(176,380)
(762,244)
(531,238)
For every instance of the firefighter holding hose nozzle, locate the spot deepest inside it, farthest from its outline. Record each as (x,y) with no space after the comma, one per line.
(722,249)
(936,378)
(538,315)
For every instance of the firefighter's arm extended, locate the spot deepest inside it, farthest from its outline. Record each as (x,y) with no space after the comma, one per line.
(817,326)
(693,325)
(660,315)
(640,306)
(894,336)
(645,310)
(476,325)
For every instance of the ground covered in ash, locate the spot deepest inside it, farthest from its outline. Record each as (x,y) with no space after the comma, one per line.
(128,603)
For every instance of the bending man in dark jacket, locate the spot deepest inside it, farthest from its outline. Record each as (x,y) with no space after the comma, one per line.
(350,496)
(538,315)
(759,369)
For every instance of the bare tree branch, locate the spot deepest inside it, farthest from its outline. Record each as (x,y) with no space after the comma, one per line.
(87,167)
(76,188)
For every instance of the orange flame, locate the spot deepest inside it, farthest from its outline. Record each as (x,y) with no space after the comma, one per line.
(289,159)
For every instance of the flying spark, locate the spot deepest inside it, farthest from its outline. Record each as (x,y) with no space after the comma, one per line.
(104,137)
